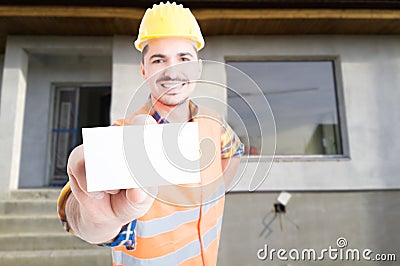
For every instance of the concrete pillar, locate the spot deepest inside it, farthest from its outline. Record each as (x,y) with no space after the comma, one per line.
(126,78)
(12,115)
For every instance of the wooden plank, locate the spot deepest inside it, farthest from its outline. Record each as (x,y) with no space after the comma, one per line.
(75,12)
(201,14)
(205,14)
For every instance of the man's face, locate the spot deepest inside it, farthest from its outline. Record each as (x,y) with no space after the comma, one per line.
(164,67)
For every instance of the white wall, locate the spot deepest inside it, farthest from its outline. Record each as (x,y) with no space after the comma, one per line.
(371,86)
(371,89)
(1,71)
(313,221)
(126,78)
(370,81)
(14,91)
(43,71)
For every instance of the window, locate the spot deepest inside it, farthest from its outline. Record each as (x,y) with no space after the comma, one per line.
(303,96)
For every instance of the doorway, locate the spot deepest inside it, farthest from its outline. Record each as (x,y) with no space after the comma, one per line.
(74,108)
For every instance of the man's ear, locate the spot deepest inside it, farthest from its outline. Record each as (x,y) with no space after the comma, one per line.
(142,70)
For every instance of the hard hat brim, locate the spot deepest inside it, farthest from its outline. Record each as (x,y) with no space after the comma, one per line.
(139,43)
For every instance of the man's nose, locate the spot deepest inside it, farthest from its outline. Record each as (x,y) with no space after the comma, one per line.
(172,71)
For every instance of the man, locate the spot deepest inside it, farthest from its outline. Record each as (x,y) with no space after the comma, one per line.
(182,225)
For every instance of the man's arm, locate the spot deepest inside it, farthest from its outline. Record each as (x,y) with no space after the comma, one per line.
(231,151)
(229,169)
(97,217)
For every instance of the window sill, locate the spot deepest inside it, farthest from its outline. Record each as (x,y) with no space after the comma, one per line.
(295,158)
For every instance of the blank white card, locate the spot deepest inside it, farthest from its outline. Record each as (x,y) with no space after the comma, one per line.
(121,157)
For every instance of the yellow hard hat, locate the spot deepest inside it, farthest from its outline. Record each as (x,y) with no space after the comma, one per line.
(169,20)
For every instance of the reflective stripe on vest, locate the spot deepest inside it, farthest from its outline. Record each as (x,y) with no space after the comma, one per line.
(212,234)
(213,199)
(175,258)
(162,225)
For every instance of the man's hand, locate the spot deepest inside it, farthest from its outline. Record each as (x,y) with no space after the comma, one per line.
(97,217)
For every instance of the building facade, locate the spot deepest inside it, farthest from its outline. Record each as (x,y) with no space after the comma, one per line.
(328,70)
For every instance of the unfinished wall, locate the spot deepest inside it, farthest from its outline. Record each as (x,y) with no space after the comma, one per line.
(43,72)
(1,71)
(368,80)
(367,220)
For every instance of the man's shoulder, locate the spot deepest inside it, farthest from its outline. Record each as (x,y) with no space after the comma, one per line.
(127,120)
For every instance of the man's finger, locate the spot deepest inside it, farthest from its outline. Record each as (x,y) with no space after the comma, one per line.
(76,167)
(136,195)
(112,192)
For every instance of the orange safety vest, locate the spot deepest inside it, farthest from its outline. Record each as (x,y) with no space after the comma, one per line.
(172,234)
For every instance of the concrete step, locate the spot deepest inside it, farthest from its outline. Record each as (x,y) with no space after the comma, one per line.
(92,257)
(31,234)
(28,207)
(35,194)
(30,224)
(34,241)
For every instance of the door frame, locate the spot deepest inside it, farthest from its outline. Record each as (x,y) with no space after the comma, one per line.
(53,100)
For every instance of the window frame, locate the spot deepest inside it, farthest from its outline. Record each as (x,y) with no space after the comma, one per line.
(340,104)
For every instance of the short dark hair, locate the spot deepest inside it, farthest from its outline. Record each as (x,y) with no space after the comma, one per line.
(144,52)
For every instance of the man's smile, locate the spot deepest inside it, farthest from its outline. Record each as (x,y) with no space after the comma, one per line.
(172,87)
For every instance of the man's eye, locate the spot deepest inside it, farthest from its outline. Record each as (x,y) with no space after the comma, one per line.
(158,61)
(185,59)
